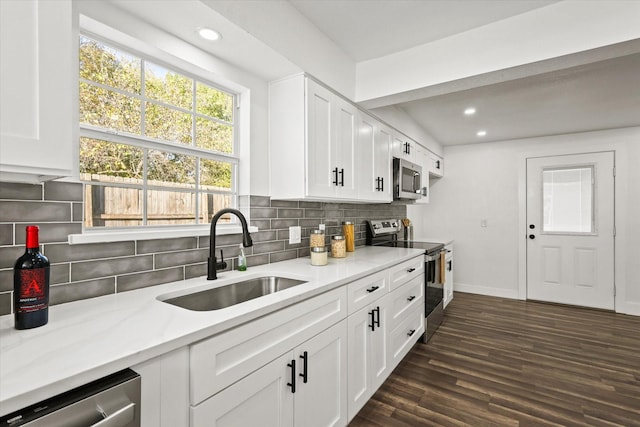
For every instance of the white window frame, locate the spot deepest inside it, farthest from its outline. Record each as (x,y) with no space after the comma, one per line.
(113,37)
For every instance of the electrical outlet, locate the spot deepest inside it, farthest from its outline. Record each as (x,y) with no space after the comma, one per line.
(321,227)
(295,234)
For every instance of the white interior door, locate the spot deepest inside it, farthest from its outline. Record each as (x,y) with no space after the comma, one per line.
(570,229)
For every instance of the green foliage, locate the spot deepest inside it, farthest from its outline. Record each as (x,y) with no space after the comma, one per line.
(121,110)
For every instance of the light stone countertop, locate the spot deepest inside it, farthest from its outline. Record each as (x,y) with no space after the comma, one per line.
(431,239)
(88,339)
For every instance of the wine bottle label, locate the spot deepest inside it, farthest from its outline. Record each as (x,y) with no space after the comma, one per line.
(33,294)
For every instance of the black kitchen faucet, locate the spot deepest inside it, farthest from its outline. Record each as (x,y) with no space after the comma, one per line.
(212,265)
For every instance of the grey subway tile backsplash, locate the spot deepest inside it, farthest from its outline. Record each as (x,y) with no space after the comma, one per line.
(5,303)
(83,271)
(130,282)
(69,191)
(69,292)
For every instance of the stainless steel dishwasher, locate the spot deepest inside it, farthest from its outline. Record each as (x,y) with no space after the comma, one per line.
(112,401)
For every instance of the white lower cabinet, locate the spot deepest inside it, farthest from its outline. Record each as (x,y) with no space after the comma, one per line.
(367,348)
(303,387)
(165,389)
(314,363)
(448,275)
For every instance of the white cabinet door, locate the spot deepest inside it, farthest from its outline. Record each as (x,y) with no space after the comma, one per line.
(38,82)
(344,147)
(437,166)
(331,145)
(368,365)
(423,158)
(374,160)
(260,399)
(322,172)
(165,390)
(403,147)
(322,362)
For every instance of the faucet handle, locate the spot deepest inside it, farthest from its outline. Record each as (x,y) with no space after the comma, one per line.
(221,265)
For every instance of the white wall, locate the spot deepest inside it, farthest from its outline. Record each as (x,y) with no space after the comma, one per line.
(484,181)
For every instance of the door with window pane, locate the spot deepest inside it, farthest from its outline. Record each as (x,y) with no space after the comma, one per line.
(570,229)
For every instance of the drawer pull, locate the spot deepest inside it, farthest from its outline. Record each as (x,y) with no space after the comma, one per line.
(373,289)
(304,358)
(411,270)
(372,313)
(411,332)
(292,384)
(411,298)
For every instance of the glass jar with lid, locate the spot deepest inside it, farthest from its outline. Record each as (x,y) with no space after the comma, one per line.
(349,235)
(316,239)
(338,247)
(319,256)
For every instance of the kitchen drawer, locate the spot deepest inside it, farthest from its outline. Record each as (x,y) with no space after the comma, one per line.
(402,338)
(405,299)
(225,358)
(408,270)
(366,290)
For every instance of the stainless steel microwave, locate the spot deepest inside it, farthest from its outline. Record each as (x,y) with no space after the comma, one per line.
(407,179)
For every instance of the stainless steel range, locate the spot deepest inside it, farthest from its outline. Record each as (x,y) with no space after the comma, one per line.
(386,232)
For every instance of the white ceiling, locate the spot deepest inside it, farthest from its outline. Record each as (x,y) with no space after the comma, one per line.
(367,29)
(598,95)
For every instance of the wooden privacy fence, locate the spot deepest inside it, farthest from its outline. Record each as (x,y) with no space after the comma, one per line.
(111,205)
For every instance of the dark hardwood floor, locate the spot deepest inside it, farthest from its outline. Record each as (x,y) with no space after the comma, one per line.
(502,362)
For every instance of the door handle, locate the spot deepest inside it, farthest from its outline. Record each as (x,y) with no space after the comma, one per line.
(373,320)
(411,332)
(377,310)
(292,384)
(304,358)
(531,236)
(373,289)
(121,418)
(411,298)
(335,176)
(411,270)
(342,177)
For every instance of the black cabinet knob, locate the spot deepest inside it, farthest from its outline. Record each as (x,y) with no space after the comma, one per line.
(531,226)
(531,236)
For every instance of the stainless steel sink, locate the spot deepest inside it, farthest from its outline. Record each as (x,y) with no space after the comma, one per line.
(226,296)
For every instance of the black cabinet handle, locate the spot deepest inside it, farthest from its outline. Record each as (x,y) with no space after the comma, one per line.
(377,321)
(411,298)
(450,265)
(531,236)
(335,176)
(373,320)
(411,332)
(437,164)
(382,184)
(342,177)
(373,289)
(411,270)
(304,358)
(292,384)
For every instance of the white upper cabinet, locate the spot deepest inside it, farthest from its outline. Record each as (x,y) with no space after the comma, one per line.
(374,160)
(312,133)
(403,147)
(437,165)
(37,82)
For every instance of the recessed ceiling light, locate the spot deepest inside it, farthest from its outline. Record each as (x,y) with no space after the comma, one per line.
(208,34)
(481,133)
(469,111)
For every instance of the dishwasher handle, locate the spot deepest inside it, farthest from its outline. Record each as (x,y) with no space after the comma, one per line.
(120,418)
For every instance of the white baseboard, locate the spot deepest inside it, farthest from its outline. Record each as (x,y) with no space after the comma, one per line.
(631,308)
(486,290)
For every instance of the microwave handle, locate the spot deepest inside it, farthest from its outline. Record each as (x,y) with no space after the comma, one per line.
(416,183)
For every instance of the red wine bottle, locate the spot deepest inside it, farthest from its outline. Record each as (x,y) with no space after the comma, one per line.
(31,285)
